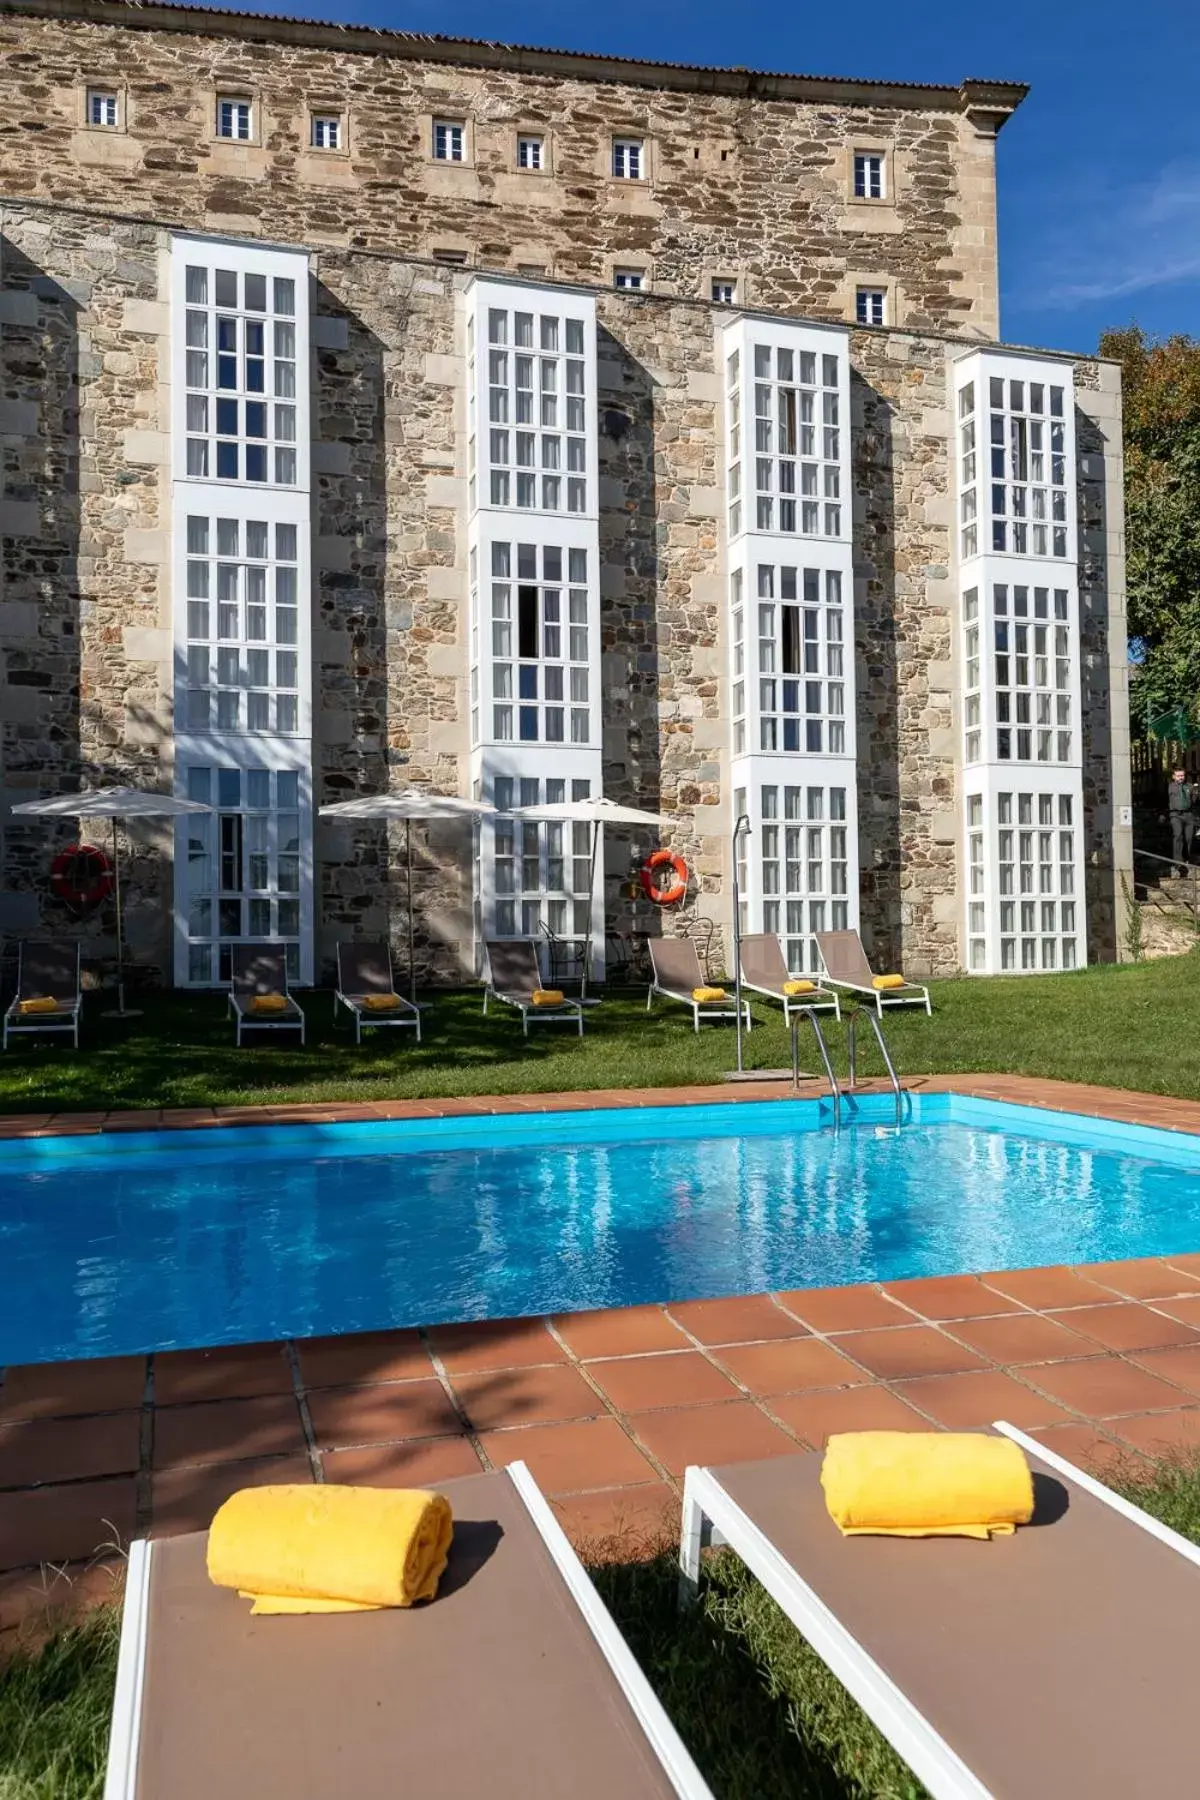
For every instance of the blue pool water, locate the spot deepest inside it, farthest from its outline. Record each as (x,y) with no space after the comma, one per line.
(160,1240)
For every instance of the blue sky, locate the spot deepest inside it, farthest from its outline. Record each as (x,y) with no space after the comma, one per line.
(1099,169)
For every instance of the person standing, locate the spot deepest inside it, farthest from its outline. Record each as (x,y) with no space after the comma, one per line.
(1183,818)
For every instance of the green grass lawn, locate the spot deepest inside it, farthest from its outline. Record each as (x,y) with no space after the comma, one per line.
(758,1709)
(1134,1026)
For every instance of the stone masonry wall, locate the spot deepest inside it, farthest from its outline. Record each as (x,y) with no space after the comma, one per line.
(754,185)
(84,627)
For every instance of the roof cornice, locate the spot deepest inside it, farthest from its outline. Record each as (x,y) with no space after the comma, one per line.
(996,99)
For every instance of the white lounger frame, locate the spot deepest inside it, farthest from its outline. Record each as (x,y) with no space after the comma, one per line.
(701,1009)
(567,1012)
(821,999)
(121,1779)
(911,994)
(406,1012)
(711,1516)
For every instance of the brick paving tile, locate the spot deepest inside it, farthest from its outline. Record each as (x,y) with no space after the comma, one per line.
(134,1121)
(421,1462)
(227,1372)
(362,1356)
(58,1390)
(50,1450)
(816,1416)
(226,1430)
(525,1397)
(495,1344)
(742,1319)
(572,1458)
(186,1499)
(1189,1264)
(1020,1337)
(621,1524)
(950,1297)
(735,1432)
(1145,1279)
(683,1378)
(1103,1386)
(1088,1448)
(381,1414)
(24,1124)
(788,1366)
(1180,1365)
(844,1308)
(619,1331)
(961,1402)
(61,1524)
(911,1350)
(1126,1325)
(1045,1288)
(1187,1310)
(1160,1434)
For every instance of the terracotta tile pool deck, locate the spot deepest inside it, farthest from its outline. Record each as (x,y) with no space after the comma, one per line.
(607,1408)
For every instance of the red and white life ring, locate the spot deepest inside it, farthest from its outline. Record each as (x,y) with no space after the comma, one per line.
(81,877)
(664,896)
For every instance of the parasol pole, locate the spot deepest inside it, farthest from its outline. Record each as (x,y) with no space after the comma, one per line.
(587,942)
(412,963)
(119,1011)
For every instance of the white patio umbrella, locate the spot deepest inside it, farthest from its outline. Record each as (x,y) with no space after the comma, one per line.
(594,812)
(406,804)
(113,804)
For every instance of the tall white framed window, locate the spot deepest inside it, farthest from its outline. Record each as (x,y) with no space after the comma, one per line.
(1027,446)
(531,151)
(723,291)
(541,644)
(246,878)
(449,140)
(239,370)
(870,306)
(326,131)
(235,118)
(629,159)
(631,280)
(103,109)
(801,624)
(805,865)
(243,625)
(541,869)
(797,463)
(870,175)
(1034,672)
(538,408)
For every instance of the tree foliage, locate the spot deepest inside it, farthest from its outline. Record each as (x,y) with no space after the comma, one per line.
(1162,511)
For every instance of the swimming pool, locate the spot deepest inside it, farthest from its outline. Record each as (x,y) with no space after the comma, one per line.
(132,1242)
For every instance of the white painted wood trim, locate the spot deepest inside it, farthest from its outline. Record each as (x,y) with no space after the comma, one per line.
(120,1781)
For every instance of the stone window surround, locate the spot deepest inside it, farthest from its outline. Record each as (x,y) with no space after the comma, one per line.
(332,110)
(887,285)
(252,98)
(428,123)
(446,253)
(634,265)
(631,133)
(106,87)
(533,131)
(858,145)
(712,272)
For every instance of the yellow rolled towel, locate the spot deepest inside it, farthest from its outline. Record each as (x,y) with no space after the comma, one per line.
(547,996)
(883,982)
(926,1484)
(269,1003)
(705,994)
(381,1002)
(792,988)
(43,1005)
(330,1549)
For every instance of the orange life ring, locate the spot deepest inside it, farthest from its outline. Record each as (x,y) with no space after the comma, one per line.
(664,896)
(81,877)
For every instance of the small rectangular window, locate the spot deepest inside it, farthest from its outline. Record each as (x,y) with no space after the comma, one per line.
(326,131)
(449,141)
(633,279)
(868,175)
(724,292)
(235,118)
(870,305)
(457,257)
(102,110)
(628,159)
(531,152)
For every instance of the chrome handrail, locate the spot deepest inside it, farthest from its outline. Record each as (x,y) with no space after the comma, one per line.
(834,1089)
(883,1049)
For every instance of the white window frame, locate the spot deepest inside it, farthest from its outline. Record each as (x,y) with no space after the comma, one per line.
(106,101)
(628,159)
(817,503)
(723,290)
(871,167)
(629,281)
(235,102)
(531,152)
(448,142)
(870,306)
(321,125)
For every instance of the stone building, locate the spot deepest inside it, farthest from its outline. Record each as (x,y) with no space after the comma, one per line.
(377,408)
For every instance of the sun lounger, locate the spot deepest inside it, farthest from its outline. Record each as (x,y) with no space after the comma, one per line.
(765,971)
(260,970)
(46,972)
(1058,1662)
(846,966)
(675,963)
(365,974)
(513,1682)
(514,976)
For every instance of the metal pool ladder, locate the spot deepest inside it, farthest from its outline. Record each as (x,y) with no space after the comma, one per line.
(861,1012)
(823,1047)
